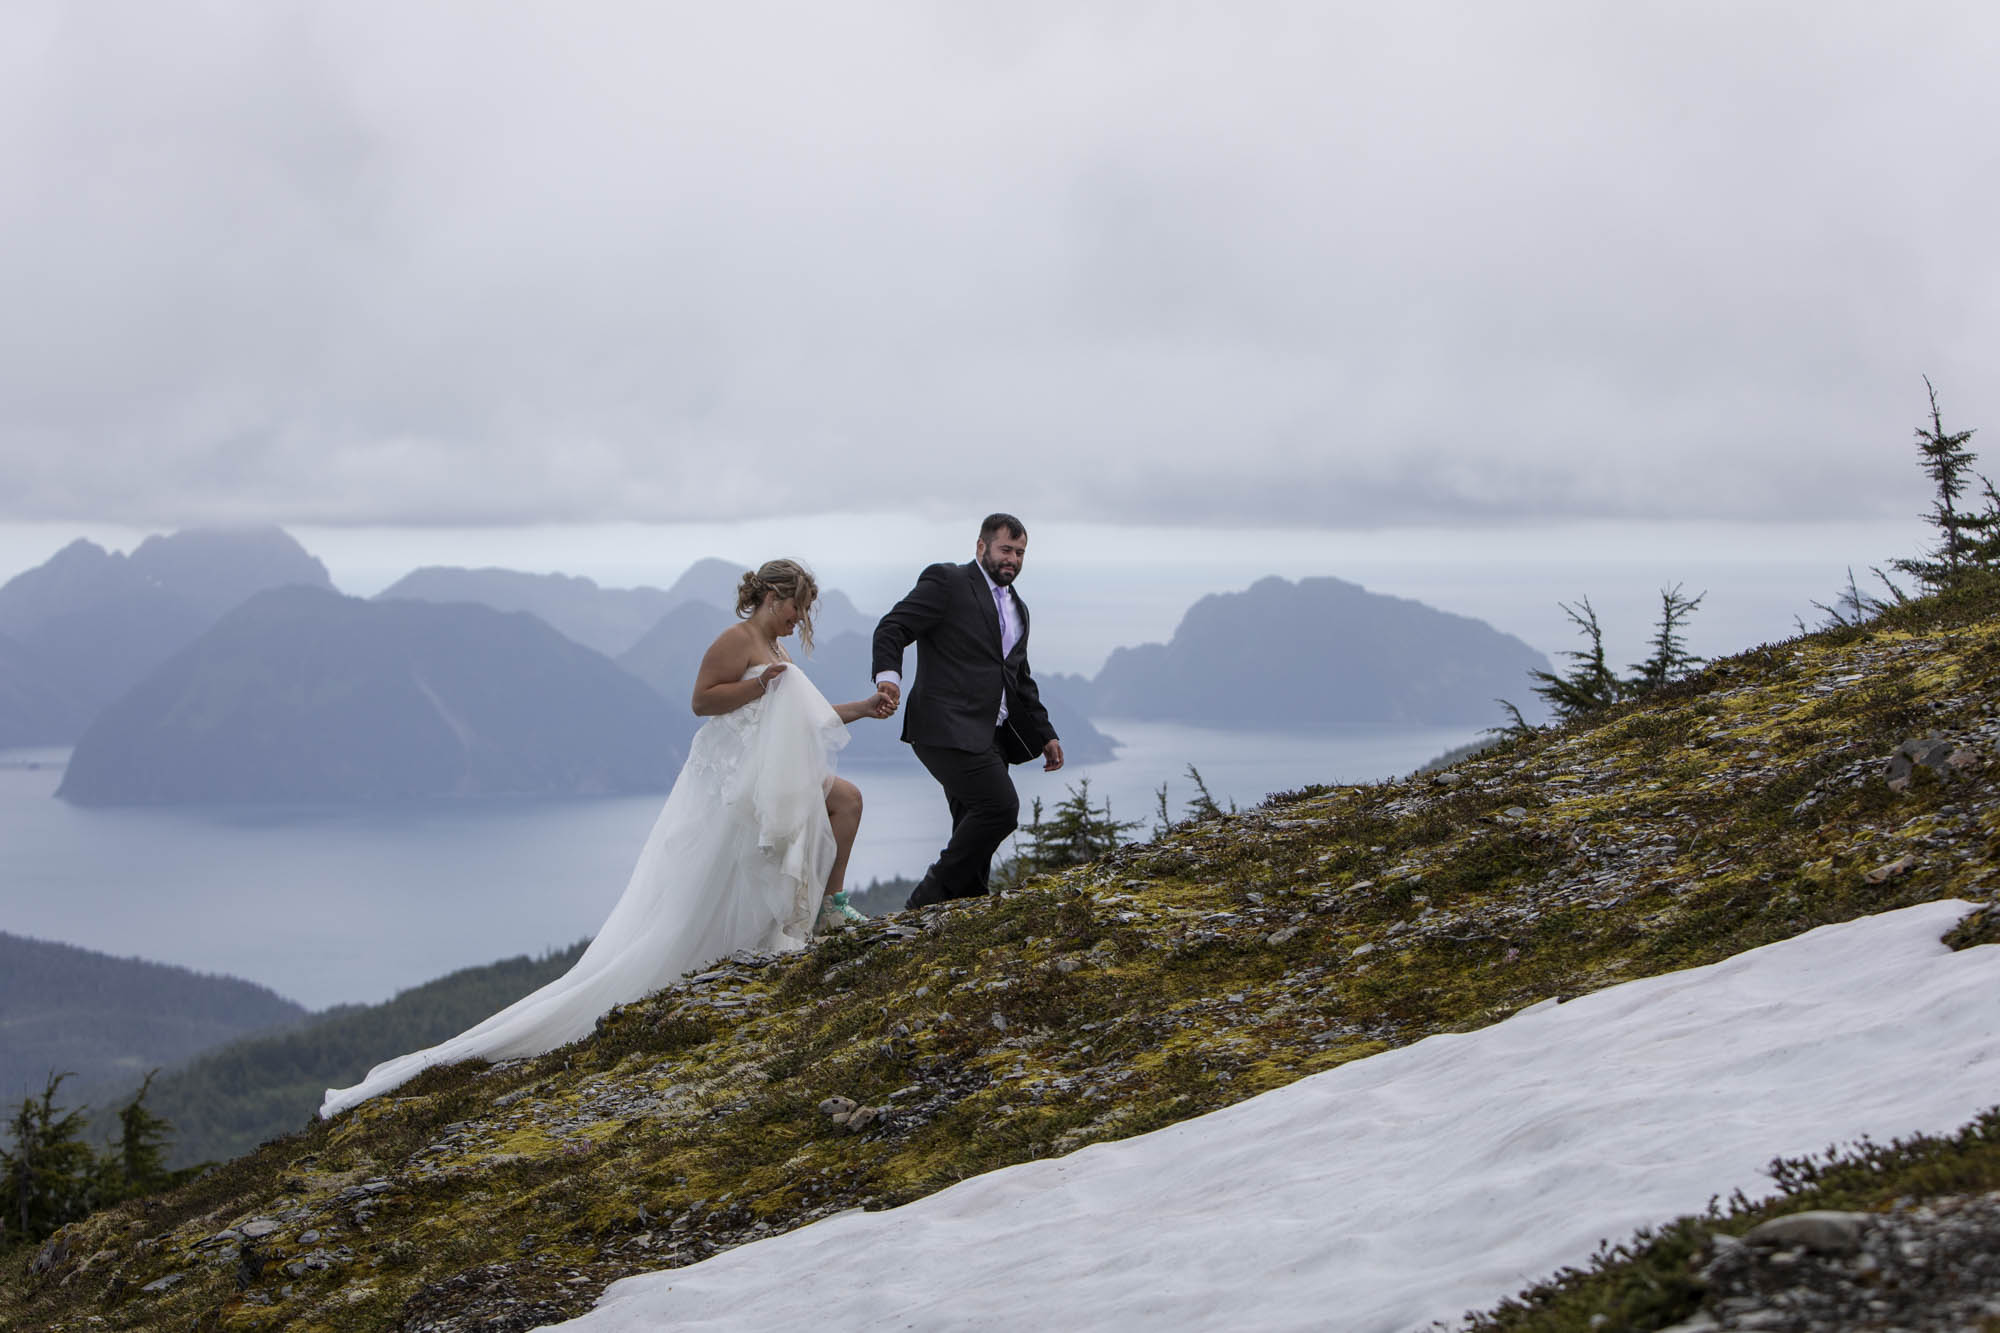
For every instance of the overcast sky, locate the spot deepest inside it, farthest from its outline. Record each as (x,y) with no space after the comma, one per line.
(432,265)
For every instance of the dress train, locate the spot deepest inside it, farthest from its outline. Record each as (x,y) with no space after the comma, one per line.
(738,859)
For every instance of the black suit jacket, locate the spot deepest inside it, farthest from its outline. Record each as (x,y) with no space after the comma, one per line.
(961,675)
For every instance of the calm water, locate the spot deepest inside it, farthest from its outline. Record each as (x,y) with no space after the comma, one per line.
(344,904)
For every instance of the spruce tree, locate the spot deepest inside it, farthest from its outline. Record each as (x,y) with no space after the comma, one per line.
(1202,805)
(1963,537)
(1588,685)
(1077,832)
(138,1161)
(1670,660)
(49,1176)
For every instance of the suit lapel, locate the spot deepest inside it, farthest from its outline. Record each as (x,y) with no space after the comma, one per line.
(983,597)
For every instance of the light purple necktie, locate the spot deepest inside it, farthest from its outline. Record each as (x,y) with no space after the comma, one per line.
(1007,635)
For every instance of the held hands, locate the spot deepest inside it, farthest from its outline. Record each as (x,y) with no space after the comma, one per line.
(878,704)
(1052,756)
(892,690)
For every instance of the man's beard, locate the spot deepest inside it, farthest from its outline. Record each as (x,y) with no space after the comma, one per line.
(1001,576)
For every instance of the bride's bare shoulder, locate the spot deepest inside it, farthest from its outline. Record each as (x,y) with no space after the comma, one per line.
(736,641)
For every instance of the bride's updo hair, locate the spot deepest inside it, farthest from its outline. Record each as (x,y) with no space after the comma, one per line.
(789,580)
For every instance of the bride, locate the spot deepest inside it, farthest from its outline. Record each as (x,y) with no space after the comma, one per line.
(750,851)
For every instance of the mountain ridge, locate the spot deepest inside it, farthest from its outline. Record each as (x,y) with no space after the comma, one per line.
(96,622)
(1320,652)
(305,695)
(611,620)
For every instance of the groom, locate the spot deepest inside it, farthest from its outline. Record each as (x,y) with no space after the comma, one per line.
(974,708)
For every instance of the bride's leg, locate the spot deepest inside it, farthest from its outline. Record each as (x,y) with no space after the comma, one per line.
(843,809)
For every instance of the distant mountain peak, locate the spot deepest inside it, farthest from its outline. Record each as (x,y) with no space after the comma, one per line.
(302,694)
(81,551)
(1319,652)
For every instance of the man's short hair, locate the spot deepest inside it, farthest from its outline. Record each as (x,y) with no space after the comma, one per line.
(994,522)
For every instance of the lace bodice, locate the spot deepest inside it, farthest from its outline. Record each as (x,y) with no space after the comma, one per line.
(716,752)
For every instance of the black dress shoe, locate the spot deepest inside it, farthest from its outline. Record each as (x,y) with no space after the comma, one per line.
(924,895)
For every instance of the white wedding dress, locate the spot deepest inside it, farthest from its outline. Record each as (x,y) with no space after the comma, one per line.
(738,859)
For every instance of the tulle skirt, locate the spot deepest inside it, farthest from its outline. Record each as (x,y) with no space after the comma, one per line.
(738,859)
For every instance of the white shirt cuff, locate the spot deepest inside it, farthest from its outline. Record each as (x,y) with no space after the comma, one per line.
(889,677)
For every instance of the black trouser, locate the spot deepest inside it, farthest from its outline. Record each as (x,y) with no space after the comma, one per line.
(985,810)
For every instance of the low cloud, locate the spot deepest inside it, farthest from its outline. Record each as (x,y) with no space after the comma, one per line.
(1320,264)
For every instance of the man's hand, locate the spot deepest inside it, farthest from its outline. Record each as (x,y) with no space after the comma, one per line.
(1051,756)
(892,689)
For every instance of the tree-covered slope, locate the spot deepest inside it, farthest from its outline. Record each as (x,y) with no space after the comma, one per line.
(229,1100)
(108,1020)
(1223,958)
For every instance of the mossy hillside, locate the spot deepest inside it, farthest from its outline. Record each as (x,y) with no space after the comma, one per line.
(1221,959)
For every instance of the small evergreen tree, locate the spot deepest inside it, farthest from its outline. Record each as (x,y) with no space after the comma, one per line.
(1077,832)
(1202,805)
(50,1176)
(138,1161)
(1670,660)
(1851,607)
(1964,538)
(1590,684)
(1983,537)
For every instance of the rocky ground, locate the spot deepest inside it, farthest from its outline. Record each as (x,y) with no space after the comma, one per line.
(1784,789)
(1931,1266)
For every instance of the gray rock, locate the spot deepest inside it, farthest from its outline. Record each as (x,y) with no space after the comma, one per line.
(838,1109)
(1928,752)
(1277,937)
(1515,812)
(50,1255)
(1447,779)
(258,1227)
(1820,1230)
(1702,1322)
(1889,870)
(158,1285)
